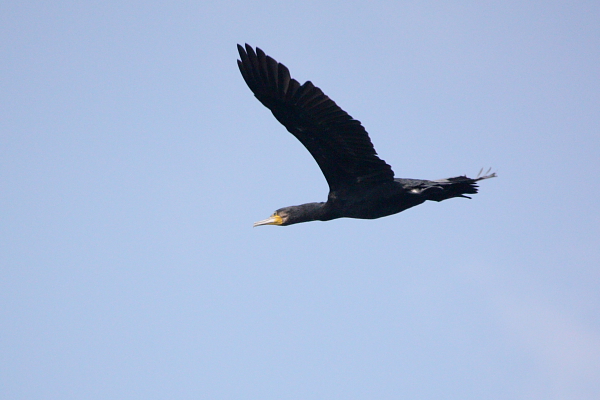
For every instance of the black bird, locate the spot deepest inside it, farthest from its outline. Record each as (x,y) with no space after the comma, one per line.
(361,185)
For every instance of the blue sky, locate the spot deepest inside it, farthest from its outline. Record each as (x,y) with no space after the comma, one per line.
(134,160)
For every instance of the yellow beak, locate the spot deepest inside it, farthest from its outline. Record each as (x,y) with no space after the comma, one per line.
(272,220)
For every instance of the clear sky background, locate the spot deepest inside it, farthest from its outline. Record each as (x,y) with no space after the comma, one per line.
(134,160)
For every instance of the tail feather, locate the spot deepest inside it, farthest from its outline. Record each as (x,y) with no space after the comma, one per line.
(458,186)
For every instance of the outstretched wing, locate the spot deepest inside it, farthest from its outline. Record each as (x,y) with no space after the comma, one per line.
(339,143)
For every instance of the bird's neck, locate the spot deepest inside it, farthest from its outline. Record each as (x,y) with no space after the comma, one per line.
(309,212)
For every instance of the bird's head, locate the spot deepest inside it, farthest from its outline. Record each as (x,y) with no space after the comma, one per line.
(279,217)
(295,214)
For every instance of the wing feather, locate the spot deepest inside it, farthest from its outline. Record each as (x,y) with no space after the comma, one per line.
(339,144)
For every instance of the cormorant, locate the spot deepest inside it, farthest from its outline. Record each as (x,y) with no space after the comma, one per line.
(361,185)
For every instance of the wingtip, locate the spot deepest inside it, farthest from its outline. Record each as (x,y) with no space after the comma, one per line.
(242,51)
(246,49)
(250,51)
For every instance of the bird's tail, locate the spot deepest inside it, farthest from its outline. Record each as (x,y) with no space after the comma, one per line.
(458,186)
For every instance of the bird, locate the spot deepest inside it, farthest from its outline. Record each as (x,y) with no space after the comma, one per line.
(361,185)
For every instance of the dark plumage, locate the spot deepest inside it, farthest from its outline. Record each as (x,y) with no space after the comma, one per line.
(361,185)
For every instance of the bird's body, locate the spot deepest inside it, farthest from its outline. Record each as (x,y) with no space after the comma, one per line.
(361,185)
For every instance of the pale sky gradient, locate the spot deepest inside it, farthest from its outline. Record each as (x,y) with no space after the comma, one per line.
(134,160)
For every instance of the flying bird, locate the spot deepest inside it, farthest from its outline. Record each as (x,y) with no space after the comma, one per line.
(361,185)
